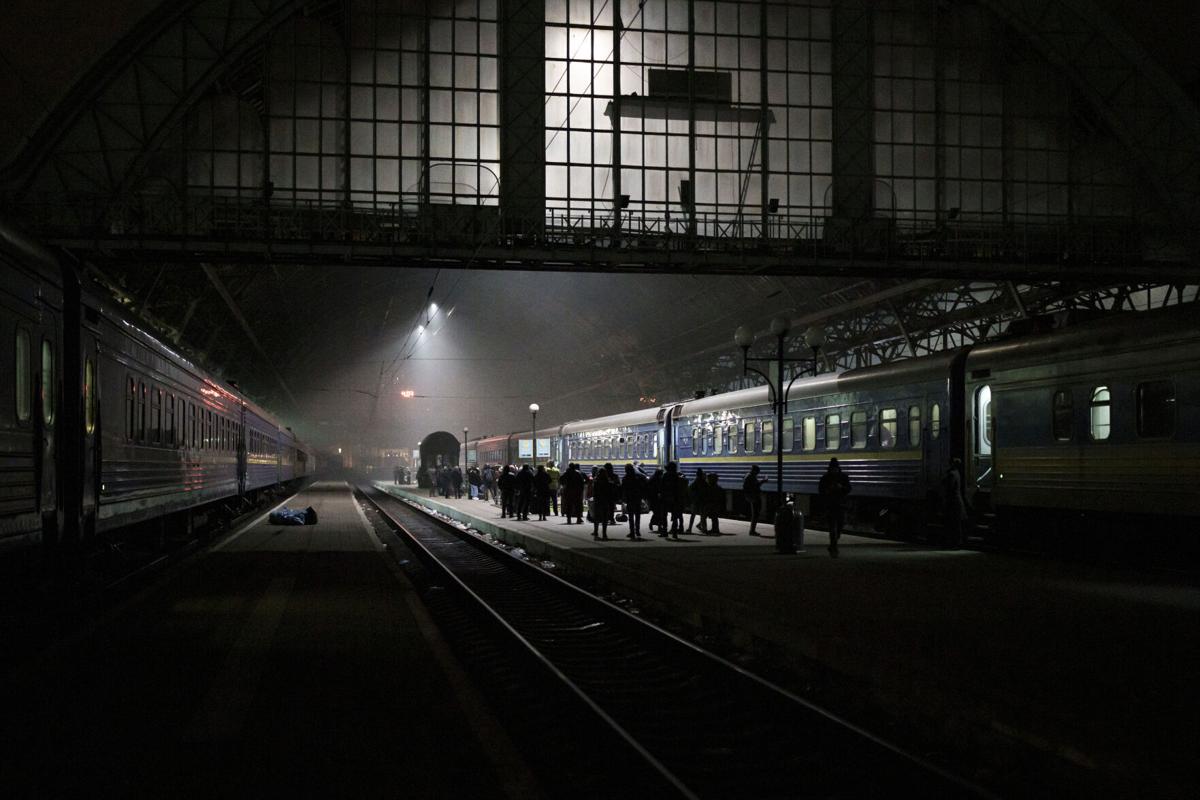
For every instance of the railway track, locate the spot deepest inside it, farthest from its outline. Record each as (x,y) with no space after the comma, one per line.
(701,726)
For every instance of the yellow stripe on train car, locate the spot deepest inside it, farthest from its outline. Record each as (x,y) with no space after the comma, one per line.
(844,455)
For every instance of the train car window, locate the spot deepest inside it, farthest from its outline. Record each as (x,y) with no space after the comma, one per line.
(709,440)
(809,434)
(1156,409)
(731,437)
(47,382)
(889,426)
(89,397)
(768,436)
(914,426)
(789,434)
(858,429)
(1063,413)
(696,435)
(935,421)
(1100,413)
(748,437)
(143,396)
(718,440)
(24,383)
(654,445)
(833,431)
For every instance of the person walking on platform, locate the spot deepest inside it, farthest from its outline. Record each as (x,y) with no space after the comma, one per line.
(572,491)
(508,486)
(541,492)
(714,496)
(954,504)
(396,475)
(433,475)
(555,478)
(752,491)
(674,497)
(833,488)
(696,496)
(456,480)
(524,492)
(603,494)
(633,488)
(474,483)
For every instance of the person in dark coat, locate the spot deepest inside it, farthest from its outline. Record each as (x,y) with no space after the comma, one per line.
(714,496)
(572,489)
(752,491)
(615,483)
(474,482)
(444,482)
(654,499)
(396,475)
(954,504)
(833,488)
(433,475)
(487,481)
(524,492)
(696,496)
(603,493)
(508,487)
(456,480)
(673,498)
(633,488)
(541,491)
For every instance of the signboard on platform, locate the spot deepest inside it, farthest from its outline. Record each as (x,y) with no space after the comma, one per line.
(543,450)
(524,448)
(472,458)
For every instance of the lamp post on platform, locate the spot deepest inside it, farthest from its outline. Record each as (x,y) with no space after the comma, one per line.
(466,432)
(533,409)
(744,337)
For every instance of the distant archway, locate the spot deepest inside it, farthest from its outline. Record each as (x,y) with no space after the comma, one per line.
(437,449)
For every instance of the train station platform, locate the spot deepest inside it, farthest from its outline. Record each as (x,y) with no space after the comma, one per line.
(1036,669)
(284,661)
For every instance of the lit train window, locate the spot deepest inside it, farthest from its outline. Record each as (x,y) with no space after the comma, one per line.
(935,421)
(696,438)
(89,397)
(654,446)
(833,431)
(1063,413)
(914,426)
(709,442)
(24,384)
(858,429)
(888,427)
(1156,408)
(789,434)
(47,382)
(768,436)
(718,440)
(748,437)
(1100,413)
(809,441)
(731,438)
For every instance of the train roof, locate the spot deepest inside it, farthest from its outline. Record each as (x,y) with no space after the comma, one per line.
(28,253)
(906,370)
(759,395)
(643,416)
(1161,327)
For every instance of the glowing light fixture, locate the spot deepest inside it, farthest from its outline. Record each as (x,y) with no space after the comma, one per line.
(408,394)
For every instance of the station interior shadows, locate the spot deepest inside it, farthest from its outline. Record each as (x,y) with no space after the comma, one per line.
(404,234)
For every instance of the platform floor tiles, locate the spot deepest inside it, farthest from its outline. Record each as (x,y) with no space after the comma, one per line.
(285,661)
(1092,665)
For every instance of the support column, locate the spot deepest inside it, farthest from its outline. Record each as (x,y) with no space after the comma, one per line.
(853,111)
(522,99)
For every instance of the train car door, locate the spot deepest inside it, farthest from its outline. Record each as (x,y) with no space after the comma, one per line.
(983,436)
(241,448)
(89,390)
